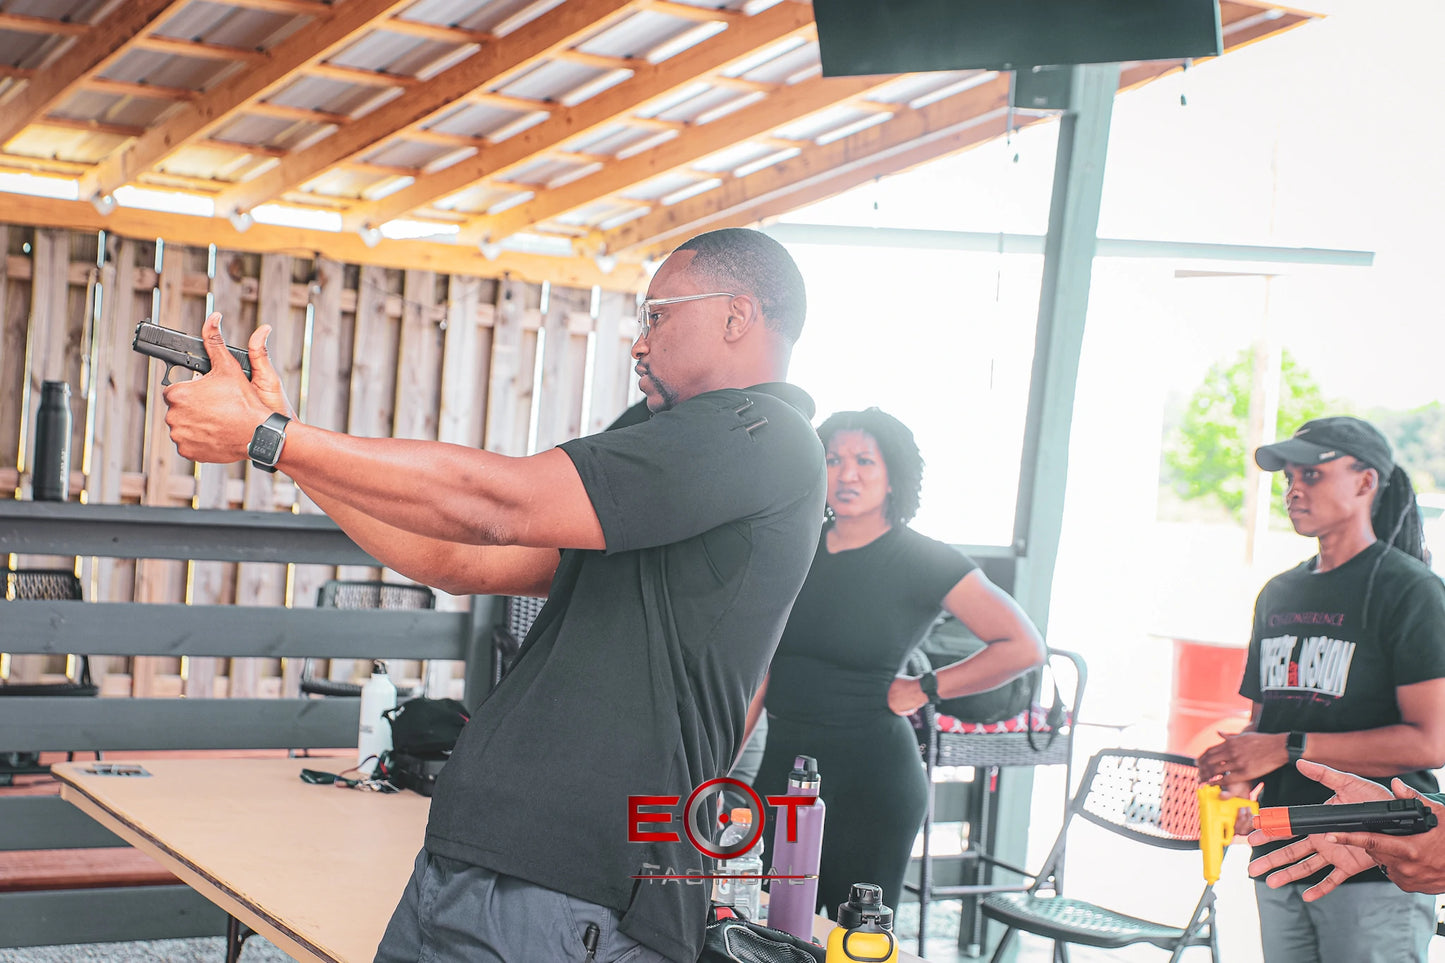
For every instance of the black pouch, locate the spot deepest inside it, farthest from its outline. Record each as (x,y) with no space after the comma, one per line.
(406,771)
(947,642)
(732,939)
(423,727)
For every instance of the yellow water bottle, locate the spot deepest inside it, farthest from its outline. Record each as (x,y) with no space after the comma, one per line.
(864,933)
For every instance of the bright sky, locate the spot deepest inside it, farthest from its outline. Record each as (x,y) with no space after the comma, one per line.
(1324,137)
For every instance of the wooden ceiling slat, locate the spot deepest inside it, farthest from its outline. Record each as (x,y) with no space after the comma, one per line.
(788,104)
(300,8)
(528,44)
(126,88)
(92,126)
(439,33)
(309,46)
(90,53)
(947,124)
(355,75)
(199,49)
(21,23)
(507,102)
(306,115)
(686,11)
(650,81)
(599,61)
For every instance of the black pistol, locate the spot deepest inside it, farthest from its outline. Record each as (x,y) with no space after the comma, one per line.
(175,348)
(1395,817)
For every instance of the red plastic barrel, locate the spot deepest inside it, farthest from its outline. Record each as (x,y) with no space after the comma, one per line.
(1205,699)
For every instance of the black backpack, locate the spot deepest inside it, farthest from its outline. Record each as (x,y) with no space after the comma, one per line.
(426,727)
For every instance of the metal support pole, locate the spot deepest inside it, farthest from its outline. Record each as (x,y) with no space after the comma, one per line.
(1069,251)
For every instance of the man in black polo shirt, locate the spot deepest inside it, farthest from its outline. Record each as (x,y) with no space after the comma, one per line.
(670,551)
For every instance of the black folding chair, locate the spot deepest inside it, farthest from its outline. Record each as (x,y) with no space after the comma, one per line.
(42,584)
(342,594)
(518,614)
(1145,797)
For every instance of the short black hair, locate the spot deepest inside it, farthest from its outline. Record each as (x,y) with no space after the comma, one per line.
(739,257)
(900,455)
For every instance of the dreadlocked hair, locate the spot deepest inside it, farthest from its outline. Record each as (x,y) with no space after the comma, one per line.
(1396,518)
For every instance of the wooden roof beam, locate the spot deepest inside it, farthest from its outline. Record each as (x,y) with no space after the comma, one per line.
(783,107)
(648,82)
(970,116)
(346,247)
(90,53)
(318,42)
(528,44)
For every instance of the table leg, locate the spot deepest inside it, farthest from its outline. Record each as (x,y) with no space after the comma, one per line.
(236,933)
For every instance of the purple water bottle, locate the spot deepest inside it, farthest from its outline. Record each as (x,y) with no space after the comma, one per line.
(793,903)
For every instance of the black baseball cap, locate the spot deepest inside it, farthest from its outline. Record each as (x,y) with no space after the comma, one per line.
(1325,439)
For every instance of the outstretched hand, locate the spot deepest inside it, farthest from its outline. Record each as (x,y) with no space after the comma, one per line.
(1345,854)
(212,418)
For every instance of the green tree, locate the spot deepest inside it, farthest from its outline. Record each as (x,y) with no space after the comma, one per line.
(1205,456)
(1419,439)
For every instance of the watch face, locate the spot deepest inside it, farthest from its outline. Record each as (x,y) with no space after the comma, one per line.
(266,445)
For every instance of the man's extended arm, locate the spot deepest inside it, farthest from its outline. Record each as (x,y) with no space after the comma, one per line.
(447,500)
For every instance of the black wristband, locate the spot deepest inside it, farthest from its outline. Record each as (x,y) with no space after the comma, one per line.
(928,682)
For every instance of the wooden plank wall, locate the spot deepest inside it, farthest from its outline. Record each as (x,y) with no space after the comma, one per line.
(367,350)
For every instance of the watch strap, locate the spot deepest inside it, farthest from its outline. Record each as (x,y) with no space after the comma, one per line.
(928,682)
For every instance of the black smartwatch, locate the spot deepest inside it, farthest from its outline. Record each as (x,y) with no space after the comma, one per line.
(266,444)
(928,682)
(1294,744)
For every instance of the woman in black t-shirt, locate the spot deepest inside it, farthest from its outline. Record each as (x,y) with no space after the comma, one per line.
(1346,667)
(833,691)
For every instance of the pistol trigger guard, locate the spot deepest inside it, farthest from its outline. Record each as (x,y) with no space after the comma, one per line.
(166,378)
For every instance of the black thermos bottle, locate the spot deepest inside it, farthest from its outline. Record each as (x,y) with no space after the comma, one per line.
(50,481)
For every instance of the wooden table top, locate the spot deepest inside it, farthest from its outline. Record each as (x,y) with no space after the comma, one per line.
(315,869)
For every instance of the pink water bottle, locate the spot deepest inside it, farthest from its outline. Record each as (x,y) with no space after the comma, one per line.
(793,894)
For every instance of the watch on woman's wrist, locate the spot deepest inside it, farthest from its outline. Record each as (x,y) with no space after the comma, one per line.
(928,682)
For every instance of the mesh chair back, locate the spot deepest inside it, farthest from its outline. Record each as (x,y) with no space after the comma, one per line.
(1150,797)
(42,583)
(520,612)
(374,595)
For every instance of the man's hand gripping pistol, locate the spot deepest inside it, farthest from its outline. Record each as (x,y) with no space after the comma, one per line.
(175,348)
